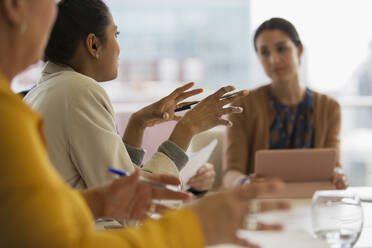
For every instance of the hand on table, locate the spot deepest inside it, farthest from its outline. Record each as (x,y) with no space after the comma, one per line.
(340,179)
(222,214)
(127,198)
(203,179)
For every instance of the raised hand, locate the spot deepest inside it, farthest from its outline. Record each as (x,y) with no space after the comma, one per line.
(205,115)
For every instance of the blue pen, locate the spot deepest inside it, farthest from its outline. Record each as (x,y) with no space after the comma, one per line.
(118,172)
(146,180)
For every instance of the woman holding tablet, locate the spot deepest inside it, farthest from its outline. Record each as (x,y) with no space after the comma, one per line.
(283,114)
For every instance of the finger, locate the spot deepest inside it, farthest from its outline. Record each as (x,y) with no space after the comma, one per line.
(244,243)
(202,170)
(208,176)
(177,118)
(181,89)
(166,116)
(223,122)
(232,110)
(164,194)
(161,208)
(164,179)
(269,227)
(274,205)
(337,177)
(182,104)
(255,189)
(129,181)
(188,94)
(208,165)
(222,91)
(236,96)
(202,187)
(207,181)
(201,183)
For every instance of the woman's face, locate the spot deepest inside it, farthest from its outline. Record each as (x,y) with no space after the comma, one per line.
(110,53)
(279,56)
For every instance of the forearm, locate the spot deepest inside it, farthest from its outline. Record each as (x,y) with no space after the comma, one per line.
(94,199)
(134,132)
(182,135)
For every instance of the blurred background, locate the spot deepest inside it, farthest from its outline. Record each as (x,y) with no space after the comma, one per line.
(167,43)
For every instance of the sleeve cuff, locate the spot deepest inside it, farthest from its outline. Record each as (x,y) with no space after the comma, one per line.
(175,153)
(197,192)
(135,154)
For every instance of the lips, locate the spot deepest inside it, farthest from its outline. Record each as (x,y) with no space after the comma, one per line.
(277,69)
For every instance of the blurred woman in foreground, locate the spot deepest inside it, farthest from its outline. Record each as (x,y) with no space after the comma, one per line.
(38,209)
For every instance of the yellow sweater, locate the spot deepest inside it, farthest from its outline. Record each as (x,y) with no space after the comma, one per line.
(37,209)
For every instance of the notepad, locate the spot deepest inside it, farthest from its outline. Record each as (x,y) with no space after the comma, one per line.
(196,161)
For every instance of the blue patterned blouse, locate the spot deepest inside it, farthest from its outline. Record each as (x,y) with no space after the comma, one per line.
(292,127)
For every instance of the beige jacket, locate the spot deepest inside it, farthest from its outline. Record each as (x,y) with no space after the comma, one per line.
(80,129)
(250,131)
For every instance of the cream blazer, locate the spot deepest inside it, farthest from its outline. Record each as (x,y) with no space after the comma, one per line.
(79,127)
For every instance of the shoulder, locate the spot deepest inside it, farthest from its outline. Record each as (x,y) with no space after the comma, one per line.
(79,87)
(323,101)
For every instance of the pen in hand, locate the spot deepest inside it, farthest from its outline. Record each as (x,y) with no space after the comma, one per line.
(146,180)
(188,106)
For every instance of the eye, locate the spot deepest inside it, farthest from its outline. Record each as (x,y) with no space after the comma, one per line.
(282,48)
(265,52)
(117,34)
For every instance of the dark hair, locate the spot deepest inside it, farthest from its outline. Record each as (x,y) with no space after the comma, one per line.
(75,20)
(279,24)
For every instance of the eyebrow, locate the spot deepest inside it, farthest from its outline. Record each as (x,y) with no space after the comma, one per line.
(281,43)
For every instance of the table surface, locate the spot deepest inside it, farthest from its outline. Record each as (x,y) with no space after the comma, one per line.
(297,222)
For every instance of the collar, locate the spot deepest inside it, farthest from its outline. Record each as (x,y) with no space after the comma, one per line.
(305,104)
(51,70)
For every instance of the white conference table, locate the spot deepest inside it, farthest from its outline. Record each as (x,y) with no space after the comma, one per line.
(297,231)
(297,222)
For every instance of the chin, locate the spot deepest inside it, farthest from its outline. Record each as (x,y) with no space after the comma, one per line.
(110,78)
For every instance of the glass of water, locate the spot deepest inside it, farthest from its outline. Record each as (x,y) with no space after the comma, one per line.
(337,217)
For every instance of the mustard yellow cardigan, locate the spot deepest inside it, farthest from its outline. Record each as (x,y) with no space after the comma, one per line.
(37,209)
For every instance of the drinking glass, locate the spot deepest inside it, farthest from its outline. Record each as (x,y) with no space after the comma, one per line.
(337,217)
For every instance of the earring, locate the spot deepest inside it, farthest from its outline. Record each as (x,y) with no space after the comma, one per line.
(23,28)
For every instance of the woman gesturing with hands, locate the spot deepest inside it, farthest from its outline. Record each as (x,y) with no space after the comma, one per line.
(79,117)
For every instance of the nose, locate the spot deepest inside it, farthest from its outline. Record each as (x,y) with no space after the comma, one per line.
(274,58)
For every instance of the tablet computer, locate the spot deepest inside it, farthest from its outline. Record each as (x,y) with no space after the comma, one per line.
(297,165)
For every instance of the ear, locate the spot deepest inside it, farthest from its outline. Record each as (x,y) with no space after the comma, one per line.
(14,11)
(93,45)
(300,51)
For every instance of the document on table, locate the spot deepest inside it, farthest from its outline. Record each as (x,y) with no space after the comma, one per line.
(196,160)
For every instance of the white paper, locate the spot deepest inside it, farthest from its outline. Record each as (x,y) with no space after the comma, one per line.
(196,160)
